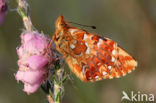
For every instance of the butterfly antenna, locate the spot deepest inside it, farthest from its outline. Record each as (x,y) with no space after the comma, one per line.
(93,27)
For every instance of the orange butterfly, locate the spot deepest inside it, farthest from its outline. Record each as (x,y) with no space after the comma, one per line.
(90,56)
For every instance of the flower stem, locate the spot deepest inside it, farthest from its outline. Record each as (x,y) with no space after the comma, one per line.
(23,10)
(58,80)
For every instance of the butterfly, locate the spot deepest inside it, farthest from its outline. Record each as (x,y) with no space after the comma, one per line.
(89,56)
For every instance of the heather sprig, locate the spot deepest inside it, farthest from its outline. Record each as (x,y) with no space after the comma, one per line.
(37,63)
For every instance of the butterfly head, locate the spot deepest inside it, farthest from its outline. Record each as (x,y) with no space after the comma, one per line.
(61,23)
(61,30)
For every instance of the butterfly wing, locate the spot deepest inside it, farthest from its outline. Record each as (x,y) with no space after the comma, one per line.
(94,58)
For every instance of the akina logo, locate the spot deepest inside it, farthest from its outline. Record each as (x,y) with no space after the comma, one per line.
(137,97)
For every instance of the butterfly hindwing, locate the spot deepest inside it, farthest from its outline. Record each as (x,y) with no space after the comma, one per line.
(97,58)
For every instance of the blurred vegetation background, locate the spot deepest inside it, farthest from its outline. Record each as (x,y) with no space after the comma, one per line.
(131,23)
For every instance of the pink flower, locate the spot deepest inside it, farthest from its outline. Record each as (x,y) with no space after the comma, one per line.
(33,60)
(3,10)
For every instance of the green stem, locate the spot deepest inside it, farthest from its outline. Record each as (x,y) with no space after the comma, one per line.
(23,10)
(58,80)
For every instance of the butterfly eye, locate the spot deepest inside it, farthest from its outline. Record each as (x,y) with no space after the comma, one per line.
(63,24)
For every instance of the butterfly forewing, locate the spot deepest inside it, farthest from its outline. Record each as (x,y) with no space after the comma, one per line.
(90,56)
